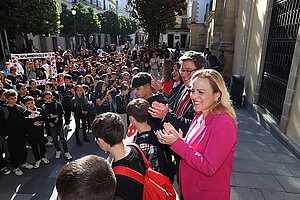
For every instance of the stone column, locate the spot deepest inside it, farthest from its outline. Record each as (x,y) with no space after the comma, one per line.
(218,22)
(227,36)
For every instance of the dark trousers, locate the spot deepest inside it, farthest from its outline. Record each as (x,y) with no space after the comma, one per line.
(59,131)
(67,115)
(2,161)
(37,143)
(17,149)
(77,122)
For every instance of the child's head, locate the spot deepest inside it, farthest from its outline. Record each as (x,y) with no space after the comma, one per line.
(33,84)
(108,129)
(124,89)
(21,88)
(79,91)
(141,83)
(85,88)
(11,96)
(48,97)
(49,86)
(29,102)
(92,176)
(105,78)
(137,111)
(67,79)
(100,86)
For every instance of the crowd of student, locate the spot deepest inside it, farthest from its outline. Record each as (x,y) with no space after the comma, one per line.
(179,108)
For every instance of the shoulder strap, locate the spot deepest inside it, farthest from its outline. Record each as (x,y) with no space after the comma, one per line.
(126,171)
(44,107)
(142,154)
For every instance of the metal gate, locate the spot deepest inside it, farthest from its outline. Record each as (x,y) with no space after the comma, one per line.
(279,54)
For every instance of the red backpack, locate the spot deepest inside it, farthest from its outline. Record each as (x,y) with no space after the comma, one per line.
(156,185)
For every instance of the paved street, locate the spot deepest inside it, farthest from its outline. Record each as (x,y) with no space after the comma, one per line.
(263,169)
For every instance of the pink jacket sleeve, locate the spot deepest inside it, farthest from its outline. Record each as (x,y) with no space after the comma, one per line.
(221,142)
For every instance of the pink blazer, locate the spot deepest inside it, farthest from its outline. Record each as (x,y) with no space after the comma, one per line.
(206,158)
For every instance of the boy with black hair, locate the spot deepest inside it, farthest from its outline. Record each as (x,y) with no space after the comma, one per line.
(49,86)
(67,93)
(15,135)
(35,121)
(54,122)
(108,130)
(87,178)
(137,111)
(35,93)
(141,83)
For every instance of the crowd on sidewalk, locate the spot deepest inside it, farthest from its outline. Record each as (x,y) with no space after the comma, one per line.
(179,108)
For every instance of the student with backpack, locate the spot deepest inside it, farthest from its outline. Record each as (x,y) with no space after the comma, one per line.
(15,135)
(54,121)
(35,121)
(137,111)
(108,130)
(136,180)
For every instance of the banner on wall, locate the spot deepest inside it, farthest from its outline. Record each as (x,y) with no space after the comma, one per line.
(50,56)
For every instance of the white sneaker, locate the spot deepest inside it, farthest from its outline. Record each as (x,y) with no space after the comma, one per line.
(37,164)
(18,171)
(5,171)
(57,154)
(27,165)
(68,156)
(45,160)
(49,144)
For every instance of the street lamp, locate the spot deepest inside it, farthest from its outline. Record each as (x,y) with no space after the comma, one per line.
(73,11)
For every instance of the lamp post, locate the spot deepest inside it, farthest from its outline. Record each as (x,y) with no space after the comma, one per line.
(73,11)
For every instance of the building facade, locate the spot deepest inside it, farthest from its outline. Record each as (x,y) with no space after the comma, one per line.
(196,14)
(264,39)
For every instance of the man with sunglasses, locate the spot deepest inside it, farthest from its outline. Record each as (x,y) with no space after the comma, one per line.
(181,113)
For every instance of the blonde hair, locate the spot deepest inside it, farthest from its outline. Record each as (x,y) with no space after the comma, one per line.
(218,85)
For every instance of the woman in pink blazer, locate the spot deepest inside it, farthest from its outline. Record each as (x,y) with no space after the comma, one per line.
(207,150)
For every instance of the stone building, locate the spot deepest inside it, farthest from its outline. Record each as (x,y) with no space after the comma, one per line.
(261,40)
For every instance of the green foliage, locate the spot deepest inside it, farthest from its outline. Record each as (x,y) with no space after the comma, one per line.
(127,25)
(87,22)
(109,21)
(156,15)
(31,16)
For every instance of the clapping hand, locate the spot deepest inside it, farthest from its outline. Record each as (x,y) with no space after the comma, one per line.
(158,110)
(169,135)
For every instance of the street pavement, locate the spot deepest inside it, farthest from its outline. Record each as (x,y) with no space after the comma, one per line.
(263,169)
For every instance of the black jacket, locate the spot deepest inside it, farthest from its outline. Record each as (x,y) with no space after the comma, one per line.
(52,111)
(32,117)
(77,106)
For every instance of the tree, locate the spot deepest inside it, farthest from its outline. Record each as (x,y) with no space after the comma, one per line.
(39,17)
(155,15)
(127,26)
(110,23)
(87,22)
